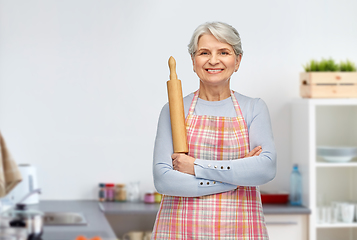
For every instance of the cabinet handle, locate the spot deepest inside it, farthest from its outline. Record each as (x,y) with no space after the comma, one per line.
(281,223)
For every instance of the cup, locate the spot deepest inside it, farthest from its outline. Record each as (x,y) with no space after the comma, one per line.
(328,216)
(135,235)
(317,215)
(347,212)
(337,210)
(323,215)
(319,218)
(335,214)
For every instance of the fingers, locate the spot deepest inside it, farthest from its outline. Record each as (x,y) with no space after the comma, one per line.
(175,157)
(258,153)
(256,149)
(255,152)
(183,163)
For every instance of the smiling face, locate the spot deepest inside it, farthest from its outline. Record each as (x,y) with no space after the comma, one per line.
(214,62)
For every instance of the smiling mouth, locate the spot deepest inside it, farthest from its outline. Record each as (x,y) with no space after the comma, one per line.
(214,70)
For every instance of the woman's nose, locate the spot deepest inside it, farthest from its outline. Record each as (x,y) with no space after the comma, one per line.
(213,59)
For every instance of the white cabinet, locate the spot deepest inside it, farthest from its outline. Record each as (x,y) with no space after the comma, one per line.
(328,122)
(282,227)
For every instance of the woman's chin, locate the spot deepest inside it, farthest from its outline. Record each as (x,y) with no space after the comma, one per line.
(215,82)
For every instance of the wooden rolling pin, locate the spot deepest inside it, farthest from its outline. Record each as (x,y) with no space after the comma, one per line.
(177,113)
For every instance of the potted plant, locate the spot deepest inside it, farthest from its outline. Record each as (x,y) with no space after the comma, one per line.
(328,79)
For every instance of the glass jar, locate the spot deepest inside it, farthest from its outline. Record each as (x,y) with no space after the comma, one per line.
(110,192)
(157,197)
(102,192)
(120,193)
(133,192)
(149,197)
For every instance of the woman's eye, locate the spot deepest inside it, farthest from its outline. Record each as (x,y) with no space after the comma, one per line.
(204,53)
(224,53)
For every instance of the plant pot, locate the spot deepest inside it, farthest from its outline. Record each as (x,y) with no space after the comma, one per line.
(328,84)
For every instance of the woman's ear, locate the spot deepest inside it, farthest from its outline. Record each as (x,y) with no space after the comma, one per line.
(193,63)
(238,60)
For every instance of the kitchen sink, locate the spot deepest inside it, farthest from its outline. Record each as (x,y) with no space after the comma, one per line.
(63,219)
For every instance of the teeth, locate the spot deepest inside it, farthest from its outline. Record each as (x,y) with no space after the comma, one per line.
(214,70)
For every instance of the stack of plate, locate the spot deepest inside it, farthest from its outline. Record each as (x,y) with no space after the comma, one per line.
(337,154)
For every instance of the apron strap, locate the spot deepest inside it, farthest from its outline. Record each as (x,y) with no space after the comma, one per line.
(193,103)
(236,105)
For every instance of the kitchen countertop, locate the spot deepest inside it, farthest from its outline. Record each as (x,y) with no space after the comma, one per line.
(146,208)
(284,209)
(97,224)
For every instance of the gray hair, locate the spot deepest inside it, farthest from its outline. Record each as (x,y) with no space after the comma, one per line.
(222,31)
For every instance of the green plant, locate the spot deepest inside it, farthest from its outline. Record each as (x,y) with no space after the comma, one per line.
(311,67)
(347,66)
(329,65)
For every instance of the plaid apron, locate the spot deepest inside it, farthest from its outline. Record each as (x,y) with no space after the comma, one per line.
(235,214)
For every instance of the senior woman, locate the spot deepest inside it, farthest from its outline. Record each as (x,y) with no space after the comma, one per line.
(212,192)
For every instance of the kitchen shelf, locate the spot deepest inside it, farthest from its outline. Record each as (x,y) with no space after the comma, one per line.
(333,165)
(337,225)
(325,122)
(328,101)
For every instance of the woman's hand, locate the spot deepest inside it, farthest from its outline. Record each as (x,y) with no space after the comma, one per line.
(255,152)
(183,163)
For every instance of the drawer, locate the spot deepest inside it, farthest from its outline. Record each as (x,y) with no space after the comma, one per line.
(282,227)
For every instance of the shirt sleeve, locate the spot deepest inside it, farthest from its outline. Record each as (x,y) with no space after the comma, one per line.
(251,171)
(174,183)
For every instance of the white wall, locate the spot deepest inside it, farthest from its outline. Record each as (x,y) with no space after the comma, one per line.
(82,81)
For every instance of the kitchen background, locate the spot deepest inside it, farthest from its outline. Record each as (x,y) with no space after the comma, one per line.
(82,82)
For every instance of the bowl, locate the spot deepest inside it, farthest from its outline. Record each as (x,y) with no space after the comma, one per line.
(337,154)
(274,197)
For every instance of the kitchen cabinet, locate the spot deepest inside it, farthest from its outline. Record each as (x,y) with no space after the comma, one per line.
(292,225)
(325,122)
(138,216)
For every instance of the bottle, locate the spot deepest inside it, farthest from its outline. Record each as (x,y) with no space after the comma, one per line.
(102,192)
(295,196)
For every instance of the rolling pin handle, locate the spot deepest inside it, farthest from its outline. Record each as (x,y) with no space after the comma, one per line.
(172,66)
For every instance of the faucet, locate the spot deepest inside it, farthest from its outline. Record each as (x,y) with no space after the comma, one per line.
(37,190)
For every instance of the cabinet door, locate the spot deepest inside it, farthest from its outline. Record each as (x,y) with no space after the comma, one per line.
(282,227)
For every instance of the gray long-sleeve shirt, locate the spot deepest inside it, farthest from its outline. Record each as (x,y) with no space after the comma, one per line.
(213,176)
